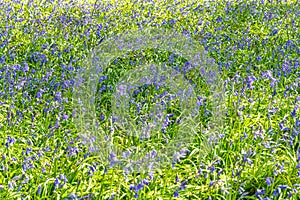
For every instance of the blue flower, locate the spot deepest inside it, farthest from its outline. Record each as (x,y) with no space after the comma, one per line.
(39,190)
(274,32)
(56,183)
(276,192)
(10,140)
(176,195)
(73,196)
(260,192)
(219,19)
(293,113)
(283,187)
(183,185)
(269,181)
(282,128)
(2,59)
(177,178)
(211,183)
(112,197)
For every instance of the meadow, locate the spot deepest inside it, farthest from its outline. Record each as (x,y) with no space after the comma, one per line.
(254,152)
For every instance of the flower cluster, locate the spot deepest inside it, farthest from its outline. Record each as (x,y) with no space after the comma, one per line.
(256,151)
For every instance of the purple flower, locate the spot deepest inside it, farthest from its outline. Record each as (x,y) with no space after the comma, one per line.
(63,178)
(10,140)
(269,75)
(26,180)
(283,187)
(181,154)
(276,192)
(211,183)
(146,182)
(112,197)
(297,123)
(250,80)
(219,19)
(2,59)
(172,21)
(258,58)
(58,96)
(11,185)
(183,185)
(282,128)
(293,113)
(177,178)
(102,78)
(56,183)
(39,190)
(260,192)
(113,159)
(176,195)
(274,32)
(73,196)
(131,187)
(269,181)
(139,187)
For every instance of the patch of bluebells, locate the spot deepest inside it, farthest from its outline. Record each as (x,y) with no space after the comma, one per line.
(36,80)
(139,186)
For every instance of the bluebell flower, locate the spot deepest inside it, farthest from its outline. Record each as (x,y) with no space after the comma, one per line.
(2,59)
(112,197)
(73,196)
(63,178)
(283,187)
(11,185)
(176,195)
(146,182)
(39,190)
(250,80)
(274,32)
(113,159)
(269,181)
(276,192)
(9,141)
(219,19)
(26,180)
(282,128)
(56,183)
(212,169)
(260,192)
(293,113)
(172,22)
(139,187)
(177,178)
(183,185)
